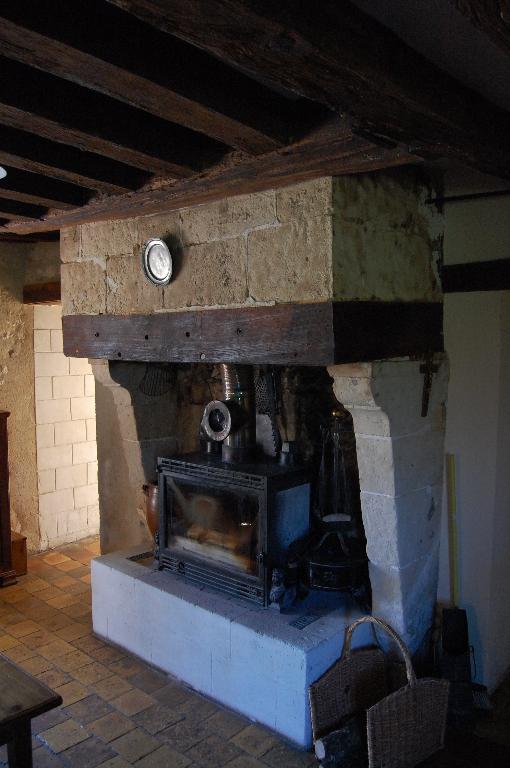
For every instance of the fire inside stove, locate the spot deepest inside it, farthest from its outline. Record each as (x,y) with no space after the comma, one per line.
(228,526)
(220,525)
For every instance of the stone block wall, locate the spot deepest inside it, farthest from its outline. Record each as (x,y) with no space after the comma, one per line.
(66,436)
(400,461)
(347,238)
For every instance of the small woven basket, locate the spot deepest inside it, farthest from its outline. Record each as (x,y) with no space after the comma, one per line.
(404,727)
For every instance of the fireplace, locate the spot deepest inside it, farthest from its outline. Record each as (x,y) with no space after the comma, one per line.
(335,276)
(229,526)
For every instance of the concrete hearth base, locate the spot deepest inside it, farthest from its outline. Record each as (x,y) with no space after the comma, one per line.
(250,659)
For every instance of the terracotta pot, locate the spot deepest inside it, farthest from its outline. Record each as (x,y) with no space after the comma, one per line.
(152,507)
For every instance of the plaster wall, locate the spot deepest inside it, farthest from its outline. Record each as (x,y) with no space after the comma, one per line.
(477,340)
(17,391)
(348,238)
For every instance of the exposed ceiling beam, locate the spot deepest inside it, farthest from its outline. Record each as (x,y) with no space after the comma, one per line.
(489,16)
(12,209)
(332,150)
(113,52)
(33,188)
(69,114)
(330,52)
(29,152)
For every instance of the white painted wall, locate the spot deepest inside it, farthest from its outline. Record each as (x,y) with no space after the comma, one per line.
(66,435)
(477,339)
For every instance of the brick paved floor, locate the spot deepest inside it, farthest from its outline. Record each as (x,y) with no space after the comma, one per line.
(119,711)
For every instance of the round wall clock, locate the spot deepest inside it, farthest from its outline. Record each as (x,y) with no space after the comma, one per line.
(157,261)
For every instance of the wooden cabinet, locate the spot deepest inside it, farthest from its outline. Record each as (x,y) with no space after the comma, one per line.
(7,574)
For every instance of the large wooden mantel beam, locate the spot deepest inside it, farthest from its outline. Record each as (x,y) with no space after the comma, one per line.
(284,334)
(330,52)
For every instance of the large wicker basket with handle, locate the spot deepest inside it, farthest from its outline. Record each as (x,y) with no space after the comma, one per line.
(404,727)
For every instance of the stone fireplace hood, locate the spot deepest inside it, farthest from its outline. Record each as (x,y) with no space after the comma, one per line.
(286,334)
(335,270)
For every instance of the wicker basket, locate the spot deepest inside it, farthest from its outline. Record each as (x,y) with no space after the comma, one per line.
(403,727)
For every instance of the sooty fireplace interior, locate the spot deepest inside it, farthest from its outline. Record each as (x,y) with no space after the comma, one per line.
(258,527)
(230,526)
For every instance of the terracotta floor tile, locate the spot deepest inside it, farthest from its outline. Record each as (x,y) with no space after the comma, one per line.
(183,735)
(213,752)
(64,581)
(83,570)
(19,653)
(283,756)
(56,622)
(50,594)
(132,702)
(127,666)
(72,692)
(8,641)
(54,558)
(36,585)
(76,610)
(62,601)
(48,720)
(86,579)
(149,680)
(73,660)
(14,596)
(111,687)
(108,654)
(115,762)
(157,718)
(94,547)
(111,726)
(90,708)
(56,649)
(72,631)
(69,566)
(255,740)
(41,613)
(135,744)
(246,761)
(54,678)
(77,588)
(39,638)
(35,665)
(91,673)
(163,757)
(88,754)
(23,628)
(173,695)
(64,735)
(89,644)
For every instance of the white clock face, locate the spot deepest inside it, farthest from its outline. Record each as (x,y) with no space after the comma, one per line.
(157,261)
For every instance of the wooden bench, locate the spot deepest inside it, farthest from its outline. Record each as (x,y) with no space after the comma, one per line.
(22,697)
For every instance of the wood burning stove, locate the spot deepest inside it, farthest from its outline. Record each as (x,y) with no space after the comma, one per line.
(230,526)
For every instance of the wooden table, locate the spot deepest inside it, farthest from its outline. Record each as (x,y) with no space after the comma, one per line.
(22,697)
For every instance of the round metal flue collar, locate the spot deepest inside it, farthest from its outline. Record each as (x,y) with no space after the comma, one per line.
(217,420)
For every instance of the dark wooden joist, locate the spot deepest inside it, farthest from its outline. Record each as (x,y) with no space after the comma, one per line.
(34,188)
(492,17)
(38,237)
(332,150)
(12,209)
(41,293)
(69,114)
(113,52)
(285,334)
(30,152)
(331,52)
(491,275)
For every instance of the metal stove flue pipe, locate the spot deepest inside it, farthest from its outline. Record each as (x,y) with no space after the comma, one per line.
(232,420)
